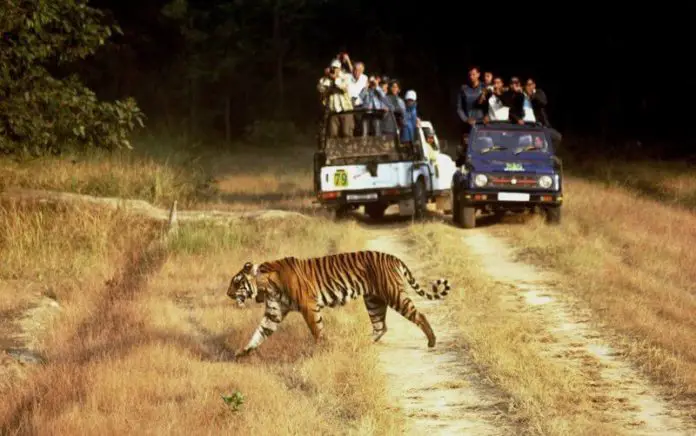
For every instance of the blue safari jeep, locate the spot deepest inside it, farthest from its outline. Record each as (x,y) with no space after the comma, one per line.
(507,167)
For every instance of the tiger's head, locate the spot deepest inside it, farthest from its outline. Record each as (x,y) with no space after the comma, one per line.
(244,286)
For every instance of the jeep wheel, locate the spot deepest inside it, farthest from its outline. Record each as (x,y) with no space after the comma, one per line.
(553,215)
(456,211)
(376,210)
(420,203)
(467,217)
(341,212)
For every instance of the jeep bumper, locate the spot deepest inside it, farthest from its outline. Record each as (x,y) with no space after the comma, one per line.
(510,199)
(364,196)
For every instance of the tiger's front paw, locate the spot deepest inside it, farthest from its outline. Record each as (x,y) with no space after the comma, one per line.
(241,353)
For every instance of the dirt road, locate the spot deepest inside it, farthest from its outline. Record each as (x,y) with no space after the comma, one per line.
(629,399)
(438,389)
(442,392)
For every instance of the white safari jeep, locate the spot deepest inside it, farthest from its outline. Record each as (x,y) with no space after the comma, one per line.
(377,171)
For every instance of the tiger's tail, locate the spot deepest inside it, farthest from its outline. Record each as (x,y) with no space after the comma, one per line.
(436,284)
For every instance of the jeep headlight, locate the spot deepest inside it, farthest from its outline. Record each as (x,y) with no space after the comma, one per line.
(480,180)
(545,182)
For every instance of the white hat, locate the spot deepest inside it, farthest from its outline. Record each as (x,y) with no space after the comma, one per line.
(410,95)
(335,63)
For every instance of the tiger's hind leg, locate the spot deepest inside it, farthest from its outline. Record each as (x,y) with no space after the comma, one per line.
(377,310)
(402,304)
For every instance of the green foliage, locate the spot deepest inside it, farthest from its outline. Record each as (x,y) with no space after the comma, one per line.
(40,112)
(234,401)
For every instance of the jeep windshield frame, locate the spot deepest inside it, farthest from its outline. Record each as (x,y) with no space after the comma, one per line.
(510,141)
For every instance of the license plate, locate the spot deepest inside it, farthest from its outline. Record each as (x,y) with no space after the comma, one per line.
(513,196)
(340,178)
(359,197)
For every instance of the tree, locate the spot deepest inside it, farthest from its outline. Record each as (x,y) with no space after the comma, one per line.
(40,112)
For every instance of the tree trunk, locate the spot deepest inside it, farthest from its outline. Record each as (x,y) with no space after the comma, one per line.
(228,119)
(279,55)
(193,108)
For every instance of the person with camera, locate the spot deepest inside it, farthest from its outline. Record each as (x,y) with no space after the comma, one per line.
(357,80)
(539,102)
(496,109)
(514,99)
(333,88)
(374,100)
(397,106)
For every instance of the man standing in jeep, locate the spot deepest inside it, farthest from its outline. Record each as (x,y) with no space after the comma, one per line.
(539,101)
(397,105)
(333,88)
(514,99)
(469,108)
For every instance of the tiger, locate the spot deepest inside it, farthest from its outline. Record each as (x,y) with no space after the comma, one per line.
(309,285)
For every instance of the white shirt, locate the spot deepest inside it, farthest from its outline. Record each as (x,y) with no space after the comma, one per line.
(496,110)
(355,86)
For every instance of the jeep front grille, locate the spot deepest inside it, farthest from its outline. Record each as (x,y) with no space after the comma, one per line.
(512,181)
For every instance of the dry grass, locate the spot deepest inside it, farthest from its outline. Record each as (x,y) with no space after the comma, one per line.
(244,177)
(143,342)
(546,397)
(667,181)
(632,260)
(122,174)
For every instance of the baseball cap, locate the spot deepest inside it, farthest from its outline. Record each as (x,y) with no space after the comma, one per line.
(335,63)
(410,95)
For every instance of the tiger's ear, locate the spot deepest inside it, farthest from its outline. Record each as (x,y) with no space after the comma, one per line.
(250,268)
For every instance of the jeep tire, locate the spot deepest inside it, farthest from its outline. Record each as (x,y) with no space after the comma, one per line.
(467,217)
(376,210)
(341,212)
(456,211)
(420,202)
(553,215)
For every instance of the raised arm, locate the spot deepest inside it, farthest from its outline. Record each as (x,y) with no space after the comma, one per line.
(540,98)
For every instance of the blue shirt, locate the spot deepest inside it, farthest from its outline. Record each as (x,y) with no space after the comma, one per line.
(467,103)
(373,98)
(408,133)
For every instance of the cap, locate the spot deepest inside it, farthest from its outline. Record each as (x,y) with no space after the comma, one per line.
(335,63)
(410,95)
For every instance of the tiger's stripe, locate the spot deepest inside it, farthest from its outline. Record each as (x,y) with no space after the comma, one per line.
(309,285)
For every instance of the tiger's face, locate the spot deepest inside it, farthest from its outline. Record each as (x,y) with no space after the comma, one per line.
(243,285)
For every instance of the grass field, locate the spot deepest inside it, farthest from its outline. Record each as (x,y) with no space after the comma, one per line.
(670,182)
(143,339)
(631,258)
(145,335)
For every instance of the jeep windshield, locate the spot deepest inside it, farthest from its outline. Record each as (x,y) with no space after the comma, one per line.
(510,142)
